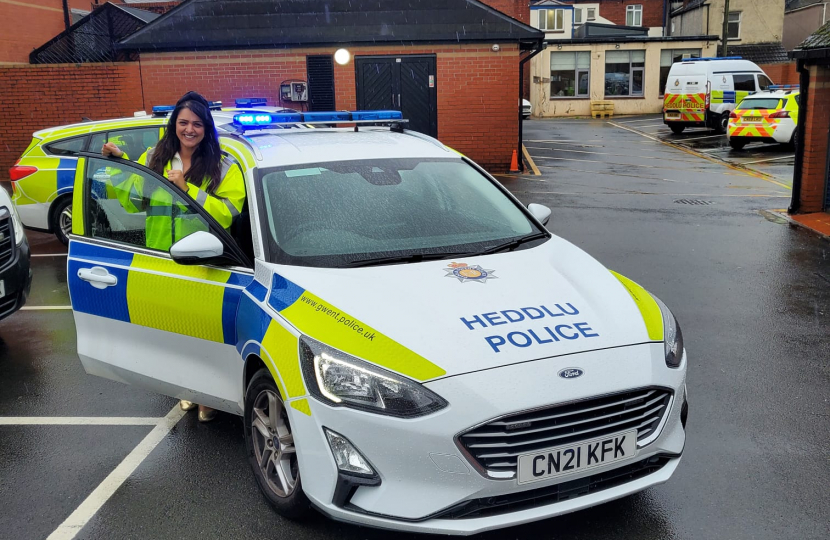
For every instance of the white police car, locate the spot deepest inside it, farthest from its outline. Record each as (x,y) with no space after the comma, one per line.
(408,346)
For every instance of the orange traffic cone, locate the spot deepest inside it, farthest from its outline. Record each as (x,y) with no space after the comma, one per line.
(514,162)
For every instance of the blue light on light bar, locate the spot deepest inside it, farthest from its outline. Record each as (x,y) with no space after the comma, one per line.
(377,115)
(713,58)
(163,109)
(255,119)
(215,105)
(781,86)
(251,102)
(342,116)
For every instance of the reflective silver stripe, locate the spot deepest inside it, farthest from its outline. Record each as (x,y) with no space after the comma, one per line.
(159,210)
(231,207)
(201,198)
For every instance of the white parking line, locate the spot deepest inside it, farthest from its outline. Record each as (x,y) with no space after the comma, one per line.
(696,138)
(637,121)
(81,516)
(767,159)
(78,421)
(45,308)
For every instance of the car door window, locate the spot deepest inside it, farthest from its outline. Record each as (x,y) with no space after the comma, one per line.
(66,147)
(133,142)
(128,205)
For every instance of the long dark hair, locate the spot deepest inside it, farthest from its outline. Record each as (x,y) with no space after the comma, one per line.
(207,159)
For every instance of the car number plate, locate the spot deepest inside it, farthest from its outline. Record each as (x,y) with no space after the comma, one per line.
(573,458)
(673,116)
(752,118)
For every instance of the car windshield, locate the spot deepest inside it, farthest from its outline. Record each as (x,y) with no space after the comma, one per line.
(353,213)
(759,103)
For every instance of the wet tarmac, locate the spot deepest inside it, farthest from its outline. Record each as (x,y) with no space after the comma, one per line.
(751,292)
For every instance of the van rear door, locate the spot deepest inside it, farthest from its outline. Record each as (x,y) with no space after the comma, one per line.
(685,98)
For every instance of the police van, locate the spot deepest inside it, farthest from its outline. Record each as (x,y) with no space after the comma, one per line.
(701,92)
(42,177)
(407,344)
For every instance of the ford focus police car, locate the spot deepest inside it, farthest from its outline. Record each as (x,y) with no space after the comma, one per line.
(769,117)
(409,347)
(43,176)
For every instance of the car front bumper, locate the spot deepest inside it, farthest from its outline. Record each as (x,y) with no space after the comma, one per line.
(428,482)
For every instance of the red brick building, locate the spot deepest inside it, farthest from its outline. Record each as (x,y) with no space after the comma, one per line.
(811,183)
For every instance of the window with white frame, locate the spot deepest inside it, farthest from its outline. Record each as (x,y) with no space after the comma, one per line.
(624,73)
(634,15)
(669,57)
(592,13)
(569,74)
(734,25)
(552,20)
(577,15)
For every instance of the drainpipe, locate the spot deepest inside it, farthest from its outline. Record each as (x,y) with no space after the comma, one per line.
(540,46)
(803,88)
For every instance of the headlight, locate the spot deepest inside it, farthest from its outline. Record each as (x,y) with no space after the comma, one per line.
(341,380)
(672,335)
(19,235)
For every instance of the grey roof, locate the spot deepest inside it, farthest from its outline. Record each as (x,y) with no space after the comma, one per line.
(817,40)
(694,4)
(233,24)
(798,4)
(760,53)
(141,14)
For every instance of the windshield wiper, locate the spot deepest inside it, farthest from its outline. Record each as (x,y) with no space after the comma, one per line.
(404,259)
(513,244)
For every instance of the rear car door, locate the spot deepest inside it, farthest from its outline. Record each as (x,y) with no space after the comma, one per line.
(141,317)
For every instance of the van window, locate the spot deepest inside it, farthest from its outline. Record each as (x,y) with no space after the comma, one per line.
(759,103)
(744,83)
(764,82)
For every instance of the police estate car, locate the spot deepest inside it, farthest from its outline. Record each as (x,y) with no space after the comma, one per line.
(43,176)
(769,117)
(408,345)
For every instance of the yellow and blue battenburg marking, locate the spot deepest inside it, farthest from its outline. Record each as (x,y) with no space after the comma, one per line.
(158,293)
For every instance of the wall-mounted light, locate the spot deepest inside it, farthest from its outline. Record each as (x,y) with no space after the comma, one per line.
(617,46)
(559,46)
(342,57)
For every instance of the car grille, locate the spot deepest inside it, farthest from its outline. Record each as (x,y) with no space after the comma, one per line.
(515,502)
(6,240)
(497,445)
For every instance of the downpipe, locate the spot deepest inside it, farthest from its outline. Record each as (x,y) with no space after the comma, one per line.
(519,153)
(803,88)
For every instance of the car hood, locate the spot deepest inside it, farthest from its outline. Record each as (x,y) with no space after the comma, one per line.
(433,319)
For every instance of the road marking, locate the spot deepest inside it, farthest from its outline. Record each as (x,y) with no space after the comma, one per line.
(663,157)
(530,162)
(522,176)
(616,163)
(696,138)
(49,254)
(45,308)
(637,121)
(756,174)
(768,159)
(81,516)
(78,421)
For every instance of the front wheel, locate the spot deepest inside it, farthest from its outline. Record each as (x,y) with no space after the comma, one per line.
(271,450)
(62,220)
(676,129)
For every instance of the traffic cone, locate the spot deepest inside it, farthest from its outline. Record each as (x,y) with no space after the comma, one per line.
(514,162)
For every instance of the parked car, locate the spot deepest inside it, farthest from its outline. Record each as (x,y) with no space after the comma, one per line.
(767,117)
(15,270)
(527,109)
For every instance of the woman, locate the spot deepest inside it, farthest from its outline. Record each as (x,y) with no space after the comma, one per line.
(188,155)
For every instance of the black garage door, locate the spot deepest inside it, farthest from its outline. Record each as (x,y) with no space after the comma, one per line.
(403,83)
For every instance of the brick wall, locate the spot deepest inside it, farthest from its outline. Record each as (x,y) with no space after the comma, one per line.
(28,25)
(781,73)
(477,89)
(42,96)
(518,9)
(614,10)
(815,143)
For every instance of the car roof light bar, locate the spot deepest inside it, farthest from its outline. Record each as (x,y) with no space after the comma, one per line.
(264,120)
(782,86)
(251,102)
(161,110)
(713,58)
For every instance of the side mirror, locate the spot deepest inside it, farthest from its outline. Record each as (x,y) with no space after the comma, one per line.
(198,248)
(540,212)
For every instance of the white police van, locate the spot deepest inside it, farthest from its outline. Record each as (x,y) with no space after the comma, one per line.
(409,347)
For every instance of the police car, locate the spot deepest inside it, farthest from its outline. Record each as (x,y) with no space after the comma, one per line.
(15,270)
(407,344)
(43,176)
(769,117)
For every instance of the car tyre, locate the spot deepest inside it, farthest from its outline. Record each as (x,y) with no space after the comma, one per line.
(271,450)
(794,140)
(737,145)
(62,219)
(723,123)
(677,130)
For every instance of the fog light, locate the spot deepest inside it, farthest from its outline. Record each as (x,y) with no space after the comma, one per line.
(348,459)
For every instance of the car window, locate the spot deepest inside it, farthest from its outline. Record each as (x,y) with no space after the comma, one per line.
(132,141)
(331,214)
(67,147)
(764,82)
(744,83)
(759,103)
(797,101)
(130,206)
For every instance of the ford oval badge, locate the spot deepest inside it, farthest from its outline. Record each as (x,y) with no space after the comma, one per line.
(571,373)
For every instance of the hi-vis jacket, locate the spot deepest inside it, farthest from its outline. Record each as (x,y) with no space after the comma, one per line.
(167,222)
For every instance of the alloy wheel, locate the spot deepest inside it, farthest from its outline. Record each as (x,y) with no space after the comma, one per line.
(65,221)
(274,444)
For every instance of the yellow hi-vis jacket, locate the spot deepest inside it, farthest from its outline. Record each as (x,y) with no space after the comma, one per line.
(167,223)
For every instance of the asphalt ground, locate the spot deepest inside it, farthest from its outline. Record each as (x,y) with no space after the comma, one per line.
(82,457)
(776,160)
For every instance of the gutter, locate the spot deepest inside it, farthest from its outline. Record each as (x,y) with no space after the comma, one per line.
(803,88)
(539,47)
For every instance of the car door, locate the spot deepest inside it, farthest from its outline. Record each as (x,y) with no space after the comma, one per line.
(141,317)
